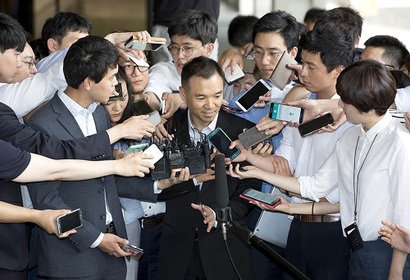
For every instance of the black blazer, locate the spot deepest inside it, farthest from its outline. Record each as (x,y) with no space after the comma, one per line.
(13,237)
(181,222)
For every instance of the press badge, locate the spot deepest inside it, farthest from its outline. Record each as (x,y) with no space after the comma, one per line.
(353,237)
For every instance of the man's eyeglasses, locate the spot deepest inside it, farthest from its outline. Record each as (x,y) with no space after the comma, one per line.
(130,68)
(31,63)
(186,51)
(272,56)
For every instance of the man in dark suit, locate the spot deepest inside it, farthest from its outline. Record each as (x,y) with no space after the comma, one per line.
(94,252)
(187,250)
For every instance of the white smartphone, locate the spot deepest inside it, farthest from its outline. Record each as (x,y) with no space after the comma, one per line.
(249,98)
(155,152)
(229,77)
(153,45)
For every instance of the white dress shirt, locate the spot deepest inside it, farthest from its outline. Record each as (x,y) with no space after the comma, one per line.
(383,186)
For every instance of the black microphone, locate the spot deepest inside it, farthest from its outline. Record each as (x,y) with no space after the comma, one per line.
(223,213)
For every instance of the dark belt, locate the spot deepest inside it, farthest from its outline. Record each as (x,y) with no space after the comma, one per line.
(110,228)
(152,221)
(317,218)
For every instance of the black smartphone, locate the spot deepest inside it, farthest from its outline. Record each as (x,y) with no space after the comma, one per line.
(287,113)
(267,199)
(70,221)
(252,137)
(314,125)
(141,107)
(136,252)
(249,98)
(221,142)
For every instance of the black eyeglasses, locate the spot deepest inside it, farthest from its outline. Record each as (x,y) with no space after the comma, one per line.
(130,68)
(31,63)
(186,51)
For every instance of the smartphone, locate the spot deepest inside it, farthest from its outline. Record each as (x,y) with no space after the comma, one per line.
(155,152)
(136,148)
(153,45)
(70,221)
(141,107)
(287,113)
(249,64)
(221,142)
(136,252)
(249,98)
(265,198)
(118,89)
(252,137)
(314,125)
(229,77)
(281,74)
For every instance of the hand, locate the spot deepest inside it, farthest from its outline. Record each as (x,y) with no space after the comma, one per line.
(136,127)
(207,213)
(281,207)
(47,220)
(173,102)
(209,175)
(161,134)
(112,245)
(230,57)
(407,120)
(339,118)
(118,154)
(397,236)
(298,69)
(120,38)
(263,149)
(263,100)
(134,164)
(270,126)
(280,166)
(243,156)
(248,171)
(173,180)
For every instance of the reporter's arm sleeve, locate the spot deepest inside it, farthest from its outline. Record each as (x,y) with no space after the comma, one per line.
(13,161)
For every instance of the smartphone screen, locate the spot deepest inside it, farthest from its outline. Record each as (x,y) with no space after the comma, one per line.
(246,101)
(260,196)
(314,125)
(282,112)
(70,221)
(141,107)
(221,142)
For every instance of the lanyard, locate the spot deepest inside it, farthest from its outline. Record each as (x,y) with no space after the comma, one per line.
(356,182)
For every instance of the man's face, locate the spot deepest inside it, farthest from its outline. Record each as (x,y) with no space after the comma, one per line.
(70,38)
(101,92)
(315,76)
(268,47)
(204,99)
(10,60)
(184,49)
(28,66)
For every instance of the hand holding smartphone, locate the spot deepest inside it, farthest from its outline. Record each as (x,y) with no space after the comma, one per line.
(266,199)
(249,98)
(314,125)
(252,137)
(221,142)
(69,221)
(229,77)
(153,45)
(136,252)
(141,107)
(287,113)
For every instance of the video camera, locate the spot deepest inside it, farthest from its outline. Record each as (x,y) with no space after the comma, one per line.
(196,156)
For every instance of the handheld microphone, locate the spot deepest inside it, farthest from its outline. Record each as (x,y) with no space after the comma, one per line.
(223,213)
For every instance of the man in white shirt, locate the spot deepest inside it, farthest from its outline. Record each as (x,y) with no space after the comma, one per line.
(369,167)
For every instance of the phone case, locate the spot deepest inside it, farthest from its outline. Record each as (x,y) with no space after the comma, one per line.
(270,206)
(154,151)
(308,128)
(64,225)
(252,137)
(229,77)
(233,152)
(249,64)
(258,89)
(136,252)
(281,74)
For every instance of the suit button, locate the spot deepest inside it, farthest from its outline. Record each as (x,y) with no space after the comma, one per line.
(101,190)
(103,217)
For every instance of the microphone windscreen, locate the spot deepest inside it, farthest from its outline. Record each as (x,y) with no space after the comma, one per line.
(221,184)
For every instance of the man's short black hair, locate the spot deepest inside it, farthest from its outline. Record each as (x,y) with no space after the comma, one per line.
(313,14)
(12,34)
(240,30)
(203,67)
(395,52)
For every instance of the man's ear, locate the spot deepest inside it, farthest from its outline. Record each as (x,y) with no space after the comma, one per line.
(52,45)
(293,52)
(209,48)
(339,70)
(87,83)
(182,93)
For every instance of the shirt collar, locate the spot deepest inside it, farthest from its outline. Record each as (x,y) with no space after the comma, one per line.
(206,130)
(379,126)
(74,107)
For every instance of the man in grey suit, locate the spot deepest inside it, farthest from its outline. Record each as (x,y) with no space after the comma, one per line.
(94,252)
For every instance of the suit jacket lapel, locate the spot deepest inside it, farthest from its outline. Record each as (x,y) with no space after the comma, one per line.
(66,119)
